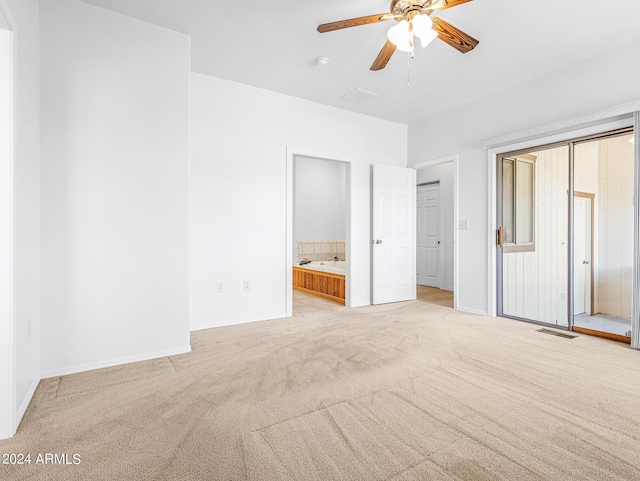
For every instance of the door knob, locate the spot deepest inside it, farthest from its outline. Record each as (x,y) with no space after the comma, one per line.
(585,262)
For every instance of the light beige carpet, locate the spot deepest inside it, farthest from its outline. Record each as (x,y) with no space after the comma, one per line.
(407,391)
(433,295)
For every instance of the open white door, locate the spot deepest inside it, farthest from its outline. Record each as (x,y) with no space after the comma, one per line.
(393,230)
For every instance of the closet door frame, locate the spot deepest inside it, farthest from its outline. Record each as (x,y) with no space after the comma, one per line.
(496,250)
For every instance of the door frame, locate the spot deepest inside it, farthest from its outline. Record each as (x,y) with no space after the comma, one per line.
(9,417)
(291,153)
(526,143)
(444,160)
(571,138)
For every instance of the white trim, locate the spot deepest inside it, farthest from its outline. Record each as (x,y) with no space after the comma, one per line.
(456,244)
(235,322)
(114,362)
(291,153)
(567,125)
(4,8)
(431,163)
(492,154)
(635,306)
(9,420)
(472,311)
(27,399)
(443,160)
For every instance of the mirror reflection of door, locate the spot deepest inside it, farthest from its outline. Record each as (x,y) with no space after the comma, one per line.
(533,218)
(532,210)
(603,180)
(582,254)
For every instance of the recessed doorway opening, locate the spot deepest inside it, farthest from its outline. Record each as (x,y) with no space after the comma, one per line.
(319,233)
(603,236)
(436,231)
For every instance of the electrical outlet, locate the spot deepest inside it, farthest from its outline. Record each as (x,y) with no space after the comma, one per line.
(220,288)
(247,286)
(563,296)
(463,225)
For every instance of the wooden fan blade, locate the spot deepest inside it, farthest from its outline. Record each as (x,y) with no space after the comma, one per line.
(354,22)
(453,36)
(453,3)
(383,57)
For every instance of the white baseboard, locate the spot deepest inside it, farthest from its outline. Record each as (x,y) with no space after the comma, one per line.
(114,362)
(235,322)
(25,402)
(213,325)
(472,311)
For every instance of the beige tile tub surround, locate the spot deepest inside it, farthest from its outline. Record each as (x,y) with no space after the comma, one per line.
(321,250)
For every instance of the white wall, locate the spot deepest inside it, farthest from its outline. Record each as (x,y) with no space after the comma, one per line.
(26,206)
(115,117)
(238,224)
(591,85)
(445,174)
(319,201)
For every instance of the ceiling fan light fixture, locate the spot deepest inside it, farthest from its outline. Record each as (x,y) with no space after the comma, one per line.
(401,36)
(422,29)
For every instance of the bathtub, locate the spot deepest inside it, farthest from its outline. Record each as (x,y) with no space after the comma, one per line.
(321,278)
(335,267)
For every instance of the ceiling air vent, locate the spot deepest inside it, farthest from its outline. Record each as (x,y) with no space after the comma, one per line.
(359,96)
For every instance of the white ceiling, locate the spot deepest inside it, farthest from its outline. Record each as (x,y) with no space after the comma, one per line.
(272,45)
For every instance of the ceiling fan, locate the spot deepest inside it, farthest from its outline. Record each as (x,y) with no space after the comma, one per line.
(414,20)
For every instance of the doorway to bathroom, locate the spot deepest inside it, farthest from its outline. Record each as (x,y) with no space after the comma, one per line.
(319,234)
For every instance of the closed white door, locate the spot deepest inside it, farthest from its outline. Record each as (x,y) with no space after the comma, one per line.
(393,239)
(428,235)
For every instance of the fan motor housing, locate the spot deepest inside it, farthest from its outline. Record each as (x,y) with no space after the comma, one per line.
(407,9)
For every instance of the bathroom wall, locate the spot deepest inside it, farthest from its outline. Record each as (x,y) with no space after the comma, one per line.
(319,205)
(320,250)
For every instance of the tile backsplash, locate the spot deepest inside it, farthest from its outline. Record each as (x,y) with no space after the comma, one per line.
(321,250)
